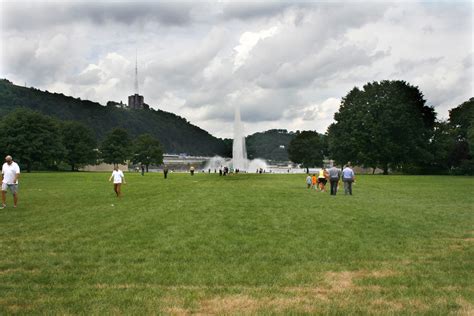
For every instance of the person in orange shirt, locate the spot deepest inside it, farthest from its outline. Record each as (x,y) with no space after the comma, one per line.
(314,182)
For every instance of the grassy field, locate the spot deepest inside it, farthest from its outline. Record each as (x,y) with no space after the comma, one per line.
(245,244)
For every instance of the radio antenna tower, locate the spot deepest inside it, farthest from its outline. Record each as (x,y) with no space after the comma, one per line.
(136,72)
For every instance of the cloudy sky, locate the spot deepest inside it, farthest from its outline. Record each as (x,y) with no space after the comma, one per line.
(287,64)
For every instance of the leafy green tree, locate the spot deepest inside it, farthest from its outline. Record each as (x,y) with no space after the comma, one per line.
(441,147)
(386,125)
(451,142)
(79,143)
(31,138)
(308,148)
(116,147)
(147,150)
(470,139)
(461,120)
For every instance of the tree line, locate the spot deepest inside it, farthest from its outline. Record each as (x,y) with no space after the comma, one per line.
(39,141)
(388,125)
(384,125)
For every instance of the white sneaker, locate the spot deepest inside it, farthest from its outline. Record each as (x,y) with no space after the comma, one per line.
(3,206)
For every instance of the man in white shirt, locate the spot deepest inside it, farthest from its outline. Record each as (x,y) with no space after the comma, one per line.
(348,177)
(119,178)
(10,175)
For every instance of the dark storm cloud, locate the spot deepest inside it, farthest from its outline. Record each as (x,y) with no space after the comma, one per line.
(22,16)
(251,10)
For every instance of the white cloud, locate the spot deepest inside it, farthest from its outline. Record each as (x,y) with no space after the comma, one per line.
(286,64)
(247,42)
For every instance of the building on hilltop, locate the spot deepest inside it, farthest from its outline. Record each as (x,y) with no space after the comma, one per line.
(136,101)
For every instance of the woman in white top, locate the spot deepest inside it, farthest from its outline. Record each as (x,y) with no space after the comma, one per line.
(119,178)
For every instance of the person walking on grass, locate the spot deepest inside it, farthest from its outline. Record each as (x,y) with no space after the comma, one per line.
(10,175)
(322,179)
(308,181)
(348,177)
(334,176)
(314,182)
(119,178)
(165,171)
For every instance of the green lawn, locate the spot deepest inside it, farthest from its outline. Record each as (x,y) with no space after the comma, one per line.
(245,244)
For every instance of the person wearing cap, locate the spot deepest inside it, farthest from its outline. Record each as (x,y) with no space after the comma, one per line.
(10,175)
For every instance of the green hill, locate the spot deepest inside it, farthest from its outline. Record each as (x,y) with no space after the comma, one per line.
(175,133)
(271,145)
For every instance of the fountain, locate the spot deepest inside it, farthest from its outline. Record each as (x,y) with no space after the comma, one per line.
(216,163)
(239,151)
(256,164)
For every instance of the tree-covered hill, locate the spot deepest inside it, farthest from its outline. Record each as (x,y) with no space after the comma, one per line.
(272,144)
(175,133)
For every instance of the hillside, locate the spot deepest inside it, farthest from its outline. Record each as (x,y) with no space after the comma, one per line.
(175,133)
(271,145)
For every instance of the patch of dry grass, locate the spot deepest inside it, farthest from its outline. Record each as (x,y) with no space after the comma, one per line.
(338,288)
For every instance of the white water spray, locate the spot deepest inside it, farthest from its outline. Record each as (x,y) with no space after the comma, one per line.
(239,151)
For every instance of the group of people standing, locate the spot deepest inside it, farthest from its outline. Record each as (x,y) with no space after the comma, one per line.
(223,171)
(334,176)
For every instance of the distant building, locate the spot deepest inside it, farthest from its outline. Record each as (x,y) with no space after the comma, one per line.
(120,105)
(135,101)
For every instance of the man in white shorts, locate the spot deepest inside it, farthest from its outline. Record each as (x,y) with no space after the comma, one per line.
(10,175)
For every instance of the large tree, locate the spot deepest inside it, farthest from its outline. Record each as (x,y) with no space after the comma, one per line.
(79,142)
(442,147)
(462,118)
(116,147)
(308,148)
(31,138)
(461,121)
(147,150)
(451,144)
(385,124)
(470,139)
